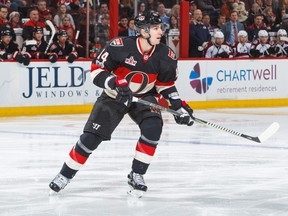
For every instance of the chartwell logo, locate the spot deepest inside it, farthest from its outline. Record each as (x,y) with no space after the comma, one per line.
(201,85)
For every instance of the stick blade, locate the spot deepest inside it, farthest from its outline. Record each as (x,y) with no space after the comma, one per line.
(270,131)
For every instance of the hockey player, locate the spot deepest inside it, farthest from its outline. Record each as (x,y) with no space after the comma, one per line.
(36,49)
(9,49)
(281,47)
(63,48)
(138,66)
(219,48)
(242,47)
(261,47)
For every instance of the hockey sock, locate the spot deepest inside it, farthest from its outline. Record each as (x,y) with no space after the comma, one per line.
(151,129)
(80,153)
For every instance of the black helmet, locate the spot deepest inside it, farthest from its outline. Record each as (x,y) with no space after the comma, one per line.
(37,29)
(62,33)
(6,32)
(145,20)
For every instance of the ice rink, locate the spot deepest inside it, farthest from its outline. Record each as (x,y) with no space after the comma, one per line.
(196,171)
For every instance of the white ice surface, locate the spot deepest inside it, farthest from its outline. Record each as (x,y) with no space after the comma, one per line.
(197,171)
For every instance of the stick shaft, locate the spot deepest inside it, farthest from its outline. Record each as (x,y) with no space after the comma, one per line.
(206,123)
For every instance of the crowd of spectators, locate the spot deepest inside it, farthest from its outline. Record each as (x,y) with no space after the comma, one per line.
(227,28)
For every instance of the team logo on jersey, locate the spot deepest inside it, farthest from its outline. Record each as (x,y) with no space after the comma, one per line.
(130,61)
(171,54)
(201,85)
(117,42)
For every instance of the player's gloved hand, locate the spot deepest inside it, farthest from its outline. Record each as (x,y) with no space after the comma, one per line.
(53,57)
(124,93)
(18,57)
(71,57)
(255,53)
(26,59)
(272,50)
(223,55)
(186,116)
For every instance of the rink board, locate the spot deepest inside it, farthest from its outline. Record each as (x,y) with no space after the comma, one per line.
(59,88)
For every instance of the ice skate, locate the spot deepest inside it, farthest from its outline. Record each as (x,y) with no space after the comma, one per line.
(58,183)
(137,184)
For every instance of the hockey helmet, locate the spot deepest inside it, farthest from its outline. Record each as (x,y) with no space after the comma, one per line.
(38,29)
(6,32)
(218,34)
(242,33)
(145,20)
(263,33)
(62,33)
(281,32)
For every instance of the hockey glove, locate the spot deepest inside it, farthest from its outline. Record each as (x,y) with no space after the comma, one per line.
(255,53)
(18,57)
(223,55)
(53,57)
(26,59)
(124,93)
(71,57)
(186,116)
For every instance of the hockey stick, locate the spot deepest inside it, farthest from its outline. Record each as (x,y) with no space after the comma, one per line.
(261,138)
(53,30)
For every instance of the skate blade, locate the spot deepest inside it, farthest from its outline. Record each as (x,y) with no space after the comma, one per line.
(52,192)
(135,193)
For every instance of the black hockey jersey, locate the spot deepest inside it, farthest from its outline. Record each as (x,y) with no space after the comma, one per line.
(37,50)
(6,52)
(146,73)
(62,52)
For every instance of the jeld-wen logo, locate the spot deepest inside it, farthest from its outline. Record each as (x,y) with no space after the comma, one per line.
(201,85)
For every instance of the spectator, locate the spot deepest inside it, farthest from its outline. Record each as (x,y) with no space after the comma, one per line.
(63,48)
(131,29)
(67,26)
(206,22)
(231,28)
(175,11)
(101,35)
(173,23)
(284,23)
(9,49)
(253,29)
(4,22)
(242,13)
(281,48)
(242,48)
(255,10)
(163,16)
(261,47)
(205,5)
(269,19)
(42,7)
(104,10)
(199,36)
(62,11)
(70,4)
(151,5)
(123,24)
(220,22)
(141,8)
(192,8)
(14,19)
(33,22)
(219,48)
(126,8)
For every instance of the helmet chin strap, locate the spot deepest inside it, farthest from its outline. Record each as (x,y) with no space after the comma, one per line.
(147,30)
